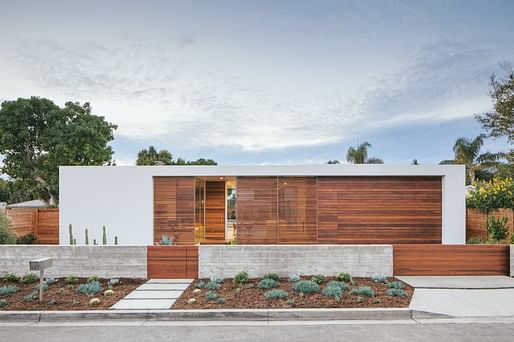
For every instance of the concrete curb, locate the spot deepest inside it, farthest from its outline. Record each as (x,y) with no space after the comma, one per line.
(220,315)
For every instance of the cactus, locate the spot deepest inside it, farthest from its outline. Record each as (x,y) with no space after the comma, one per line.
(70,232)
(86,238)
(104,236)
(115,240)
(74,241)
(94,242)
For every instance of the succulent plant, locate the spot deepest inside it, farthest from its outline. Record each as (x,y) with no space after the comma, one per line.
(197,292)
(396,292)
(293,278)
(108,293)
(89,288)
(273,276)
(395,285)
(363,291)
(241,278)
(306,286)
(191,301)
(318,279)
(210,295)
(94,301)
(212,285)
(268,283)
(276,294)
(344,277)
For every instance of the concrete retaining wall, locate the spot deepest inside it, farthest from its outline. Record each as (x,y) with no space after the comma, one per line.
(82,261)
(358,260)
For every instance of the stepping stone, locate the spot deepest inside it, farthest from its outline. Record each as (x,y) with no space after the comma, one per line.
(160,287)
(162,294)
(169,281)
(143,304)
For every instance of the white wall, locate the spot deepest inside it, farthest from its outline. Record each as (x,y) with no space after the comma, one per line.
(121,197)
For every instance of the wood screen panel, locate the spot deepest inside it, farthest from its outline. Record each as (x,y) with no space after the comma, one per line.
(442,260)
(384,210)
(48,226)
(297,210)
(172,262)
(174,210)
(215,211)
(256,210)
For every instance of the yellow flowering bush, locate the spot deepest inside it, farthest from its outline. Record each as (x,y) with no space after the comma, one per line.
(496,193)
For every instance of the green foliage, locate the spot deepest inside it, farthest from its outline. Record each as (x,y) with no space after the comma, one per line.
(332,291)
(340,284)
(3,303)
(213,286)
(200,284)
(237,290)
(45,287)
(493,194)
(395,285)
(29,278)
(50,281)
(27,239)
(31,296)
(216,279)
(378,278)
(396,293)
(293,278)
(497,228)
(61,290)
(167,240)
(150,156)
(52,302)
(7,237)
(359,155)
(306,286)
(363,291)
(36,136)
(75,302)
(8,290)
(112,282)
(93,279)
(221,300)
(268,283)
(89,288)
(11,278)
(71,279)
(275,294)
(318,279)
(475,240)
(211,295)
(344,277)
(241,278)
(290,302)
(273,276)
(359,299)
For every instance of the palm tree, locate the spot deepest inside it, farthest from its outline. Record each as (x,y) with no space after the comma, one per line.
(467,152)
(359,155)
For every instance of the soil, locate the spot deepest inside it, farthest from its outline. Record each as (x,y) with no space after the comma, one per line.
(63,296)
(252,297)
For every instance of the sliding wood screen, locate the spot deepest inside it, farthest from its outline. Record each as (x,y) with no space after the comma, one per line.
(297,206)
(385,210)
(215,211)
(174,211)
(256,210)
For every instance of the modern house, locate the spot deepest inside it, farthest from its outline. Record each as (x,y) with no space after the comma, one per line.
(322,204)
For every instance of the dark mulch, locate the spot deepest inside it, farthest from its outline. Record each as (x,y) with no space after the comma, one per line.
(252,297)
(56,299)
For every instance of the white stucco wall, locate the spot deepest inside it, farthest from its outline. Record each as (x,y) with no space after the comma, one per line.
(121,197)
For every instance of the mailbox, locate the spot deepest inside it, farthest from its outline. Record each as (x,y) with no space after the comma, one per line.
(40,264)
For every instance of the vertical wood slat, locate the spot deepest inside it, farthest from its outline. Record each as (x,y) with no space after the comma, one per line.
(444,260)
(215,210)
(174,208)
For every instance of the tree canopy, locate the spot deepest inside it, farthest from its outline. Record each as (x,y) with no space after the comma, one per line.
(36,136)
(359,155)
(150,156)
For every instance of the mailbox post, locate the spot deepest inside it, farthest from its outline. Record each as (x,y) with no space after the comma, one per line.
(40,265)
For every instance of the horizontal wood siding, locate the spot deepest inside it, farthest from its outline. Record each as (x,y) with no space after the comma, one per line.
(215,211)
(256,210)
(174,210)
(454,260)
(476,221)
(172,262)
(386,210)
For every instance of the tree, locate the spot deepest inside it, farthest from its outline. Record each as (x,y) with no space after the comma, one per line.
(150,156)
(331,162)
(500,121)
(467,152)
(36,136)
(359,155)
(414,162)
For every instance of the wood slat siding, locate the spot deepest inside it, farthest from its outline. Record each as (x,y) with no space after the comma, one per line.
(174,210)
(385,210)
(43,222)
(256,210)
(476,221)
(215,210)
(297,210)
(454,260)
(172,262)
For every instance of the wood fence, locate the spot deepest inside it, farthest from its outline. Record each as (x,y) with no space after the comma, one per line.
(476,221)
(42,222)
(173,262)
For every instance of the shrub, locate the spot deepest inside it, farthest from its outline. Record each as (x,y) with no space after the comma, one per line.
(94,301)
(344,277)
(29,278)
(318,279)
(497,228)
(221,300)
(363,291)
(212,285)
(241,278)
(71,279)
(273,276)
(496,193)
(396,292)
(475,240)
(275,294)
(293,278)
(8,290)
(108,293)
(340,284)
(210,295)
(332,291)
(93,279)
(11,278)
(306,286)
(31,296)
(7,237)
(3,303)
(28,239)
(378,278)
(268,283)
(216,279)
(395,285)
(89,288)
(200,284)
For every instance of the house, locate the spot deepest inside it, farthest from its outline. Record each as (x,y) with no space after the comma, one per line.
(314,204)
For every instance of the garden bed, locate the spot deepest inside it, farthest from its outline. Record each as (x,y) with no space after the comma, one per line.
(251,296)
(63,295)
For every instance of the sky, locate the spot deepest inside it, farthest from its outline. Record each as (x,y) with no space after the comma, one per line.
(265,82)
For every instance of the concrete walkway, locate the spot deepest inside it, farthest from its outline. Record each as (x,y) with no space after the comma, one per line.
(155,294)
(459,282)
